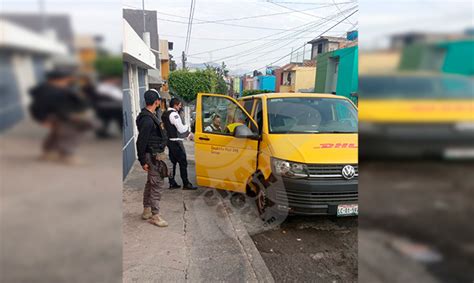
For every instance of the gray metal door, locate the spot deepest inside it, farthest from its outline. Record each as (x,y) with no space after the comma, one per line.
(128,150)
(11,110)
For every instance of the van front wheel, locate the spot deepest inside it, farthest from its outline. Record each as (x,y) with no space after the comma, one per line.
(261,201)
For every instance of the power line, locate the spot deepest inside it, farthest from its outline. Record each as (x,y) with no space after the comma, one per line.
(301,12)
(333,26)
(188,34)
(246,42)
(283,38)
(339,22)
(190,24)
(337,6)
(308,3)
(253,59)
(310,25)
(265,15)
(229,39)
(226,24)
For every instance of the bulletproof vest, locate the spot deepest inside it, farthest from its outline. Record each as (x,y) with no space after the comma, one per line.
(170,129)
(158,138)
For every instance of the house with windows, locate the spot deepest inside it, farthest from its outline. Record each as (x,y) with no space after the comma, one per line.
(145,24)
(324,44)
(138,60)
(297,77)
(444,56)
(337,72)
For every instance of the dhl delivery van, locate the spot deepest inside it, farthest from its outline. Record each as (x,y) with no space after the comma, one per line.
(413,114)
(293,152)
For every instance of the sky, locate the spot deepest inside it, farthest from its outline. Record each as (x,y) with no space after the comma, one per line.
(266,38)
(93,17)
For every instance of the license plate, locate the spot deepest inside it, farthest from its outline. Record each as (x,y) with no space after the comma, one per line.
(347,209)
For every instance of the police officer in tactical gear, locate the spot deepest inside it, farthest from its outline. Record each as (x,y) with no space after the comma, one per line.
(151,144)
(177,131)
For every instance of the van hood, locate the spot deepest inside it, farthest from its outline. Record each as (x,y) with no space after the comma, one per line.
(416,111)
(315,148)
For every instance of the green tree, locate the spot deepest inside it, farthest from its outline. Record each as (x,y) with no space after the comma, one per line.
(173,65)
(109,66)
(221,72)
(187,84)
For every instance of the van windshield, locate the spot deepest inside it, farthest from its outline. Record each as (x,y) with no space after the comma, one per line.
(417,87)
(311,115)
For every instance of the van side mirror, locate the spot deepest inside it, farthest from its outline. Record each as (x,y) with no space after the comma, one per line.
(243,132)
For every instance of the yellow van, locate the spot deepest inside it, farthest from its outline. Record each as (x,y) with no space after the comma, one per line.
(413,114)
(295,152)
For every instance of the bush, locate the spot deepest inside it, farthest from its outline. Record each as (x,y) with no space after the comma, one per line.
(109,66)
(187,85)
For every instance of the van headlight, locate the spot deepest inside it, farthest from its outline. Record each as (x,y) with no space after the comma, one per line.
(289,169)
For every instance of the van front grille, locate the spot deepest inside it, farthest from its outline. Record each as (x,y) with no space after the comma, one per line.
(305,198)
(333,171)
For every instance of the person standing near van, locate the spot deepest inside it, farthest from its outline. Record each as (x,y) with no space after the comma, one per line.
(151,144)
(177,131)
(57,106)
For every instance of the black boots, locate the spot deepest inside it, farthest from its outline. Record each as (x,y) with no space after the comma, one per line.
(189,186)
(174,185)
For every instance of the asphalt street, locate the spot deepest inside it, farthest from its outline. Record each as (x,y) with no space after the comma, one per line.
(420,213)
(303,248)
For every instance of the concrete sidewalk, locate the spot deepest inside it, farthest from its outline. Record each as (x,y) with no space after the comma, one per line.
(205,241)
(59,223)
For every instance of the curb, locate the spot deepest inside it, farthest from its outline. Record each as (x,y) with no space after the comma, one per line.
(261,270)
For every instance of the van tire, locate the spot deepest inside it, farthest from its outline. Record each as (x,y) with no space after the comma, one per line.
(266,208)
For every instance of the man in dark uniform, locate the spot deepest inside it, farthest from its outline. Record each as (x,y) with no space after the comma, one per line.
(151,144)
(177,131)
(61,109)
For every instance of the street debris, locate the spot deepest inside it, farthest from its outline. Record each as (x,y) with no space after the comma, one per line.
(416,251)
(317,256)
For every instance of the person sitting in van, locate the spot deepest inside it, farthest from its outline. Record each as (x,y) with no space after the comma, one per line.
(215,126)
(238,120)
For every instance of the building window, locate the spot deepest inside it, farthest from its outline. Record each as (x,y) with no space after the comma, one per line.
(320,48)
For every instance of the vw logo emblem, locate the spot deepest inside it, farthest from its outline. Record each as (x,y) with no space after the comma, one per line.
(348,172)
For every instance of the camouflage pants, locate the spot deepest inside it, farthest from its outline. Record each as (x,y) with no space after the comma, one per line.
(63,138)
(154,186)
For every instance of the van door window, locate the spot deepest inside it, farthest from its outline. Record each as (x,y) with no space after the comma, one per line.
(258,115)
(248,103)
(220,115)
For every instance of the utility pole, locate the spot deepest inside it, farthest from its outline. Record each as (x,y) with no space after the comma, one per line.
(143,10)
(183,60)
(43,15)
(304,50)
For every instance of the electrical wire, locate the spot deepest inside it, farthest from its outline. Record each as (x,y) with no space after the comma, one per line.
(190,24)
(337,6)
(301,12)
(226,24)
(307,25)
(283,57)
(270,44)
